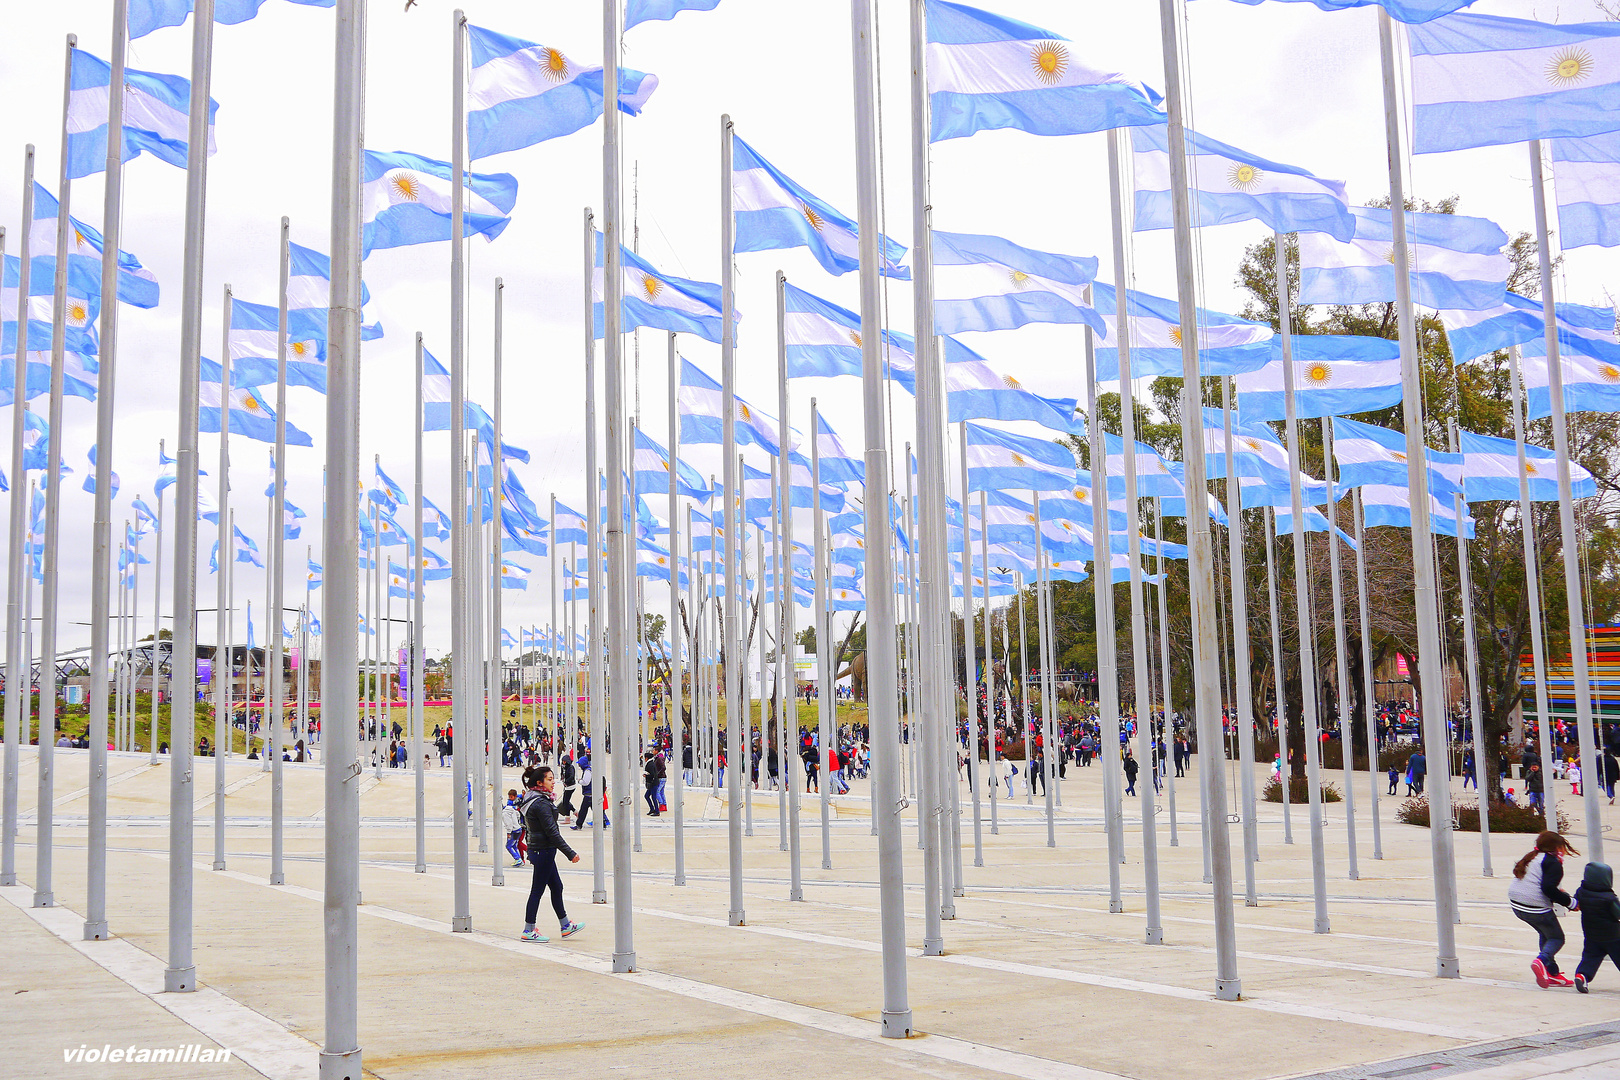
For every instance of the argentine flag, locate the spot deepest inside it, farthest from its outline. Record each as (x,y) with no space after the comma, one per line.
(156,114)
(405,199)
(146,16)
(1333,374)
(249,415)
(637,12)
(309,291)
(976,391)
(1231,185)
(514,576)
(1586,177)
(137,285)
(1407,11)
(1456,262)
(521,93)
(652,470)
(700,403)
(772,212)
(1519,321)
(1384,504)
(657,300)
(1591,382)
(255,331)
(823,340)
(569,527)
(999,459)
(1154,475)
(987,72)
(987,283)
(1491,471)
(1479,80)
(837,465)
(1228,345)
(1369,454)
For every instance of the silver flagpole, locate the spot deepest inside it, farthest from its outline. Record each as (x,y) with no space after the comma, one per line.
(730,638)
(1141,677)
(1276,676)
(95,920)
(787,693)
(1049,687)
(1367,676)
(498,561)
(340,1054)
(1164,669)
(989,656)
(1240,652)
(552,715)
(157,626)
(1532,584)
(1471,662)
(17,571)
(224,739)
(1566,525)
(1423,571)
(44,894)
(880,607)
(677,720)
(593,564)
(1102,584)
(778,706)
(180,974)
(274,702)
(759,621)
(418,690)
(622,698)
(1200,556)
(1307,627)
(462,568)
(1347,745)
(970,659)
(825,704)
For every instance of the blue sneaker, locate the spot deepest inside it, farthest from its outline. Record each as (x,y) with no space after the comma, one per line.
(571,928)
(534,935)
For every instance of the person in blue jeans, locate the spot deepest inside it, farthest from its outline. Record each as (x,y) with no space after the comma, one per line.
(539,813)
(1532,893)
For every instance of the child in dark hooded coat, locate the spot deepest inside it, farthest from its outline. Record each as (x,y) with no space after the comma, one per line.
(1600,922)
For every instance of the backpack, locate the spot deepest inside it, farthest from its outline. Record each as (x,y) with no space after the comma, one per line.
(568,775)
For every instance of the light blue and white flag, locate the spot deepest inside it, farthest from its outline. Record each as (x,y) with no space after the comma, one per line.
(405,199)
(1153,475)
(1407,11)
(823,340)
(838,466)
(570,527)
(987,283)
(1383,504)
(309,292)
(156,115)
(1519,321)
(521,93)
(1586,178)
(246,551)
(1479,80)
(250,416)
(701,402)
(1228,185)
(137,285)
(999,460)
(657,300)
(435,567)
(1227,345)
(514,576)
(90,477)
(637,12)
(773,212)
(986,71)
(976,391)
(255,332)
(435,522)
(1369,454)
(386,493)
(652,470)
(1591,371)
(146,16)
(1491,471)
(1333,375)
(1457,262)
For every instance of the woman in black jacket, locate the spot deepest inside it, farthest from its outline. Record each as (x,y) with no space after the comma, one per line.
(544,841)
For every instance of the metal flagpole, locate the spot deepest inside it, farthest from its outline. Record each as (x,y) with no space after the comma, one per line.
(823,614)
(1102,578)
(17,573)
(778,706)
(1276,677)
(418,690)
(44,851)
(278,547)
(759,621)
(880,607)
(787,692)
(989,657)
(1240,653)
(1370,706)
(1200,556)
(970,660)
(1049,688)
(677,719)
(622,697)
(461,557)
(1566,524)
(224,740)
(340,1053)
(730,640)
(1342,686)
(593,560)
(498,563)
(1471,662)
(1164,667)
(1423,571)
(1307,635)
(95,921)
(157,626)
(1532,584)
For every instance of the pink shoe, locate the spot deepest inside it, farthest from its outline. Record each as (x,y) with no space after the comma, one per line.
(1560,980)
(1540,971)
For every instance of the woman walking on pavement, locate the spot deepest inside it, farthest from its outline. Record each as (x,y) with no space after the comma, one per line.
(544,840)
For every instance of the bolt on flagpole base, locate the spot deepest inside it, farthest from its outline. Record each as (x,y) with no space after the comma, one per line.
(1487,872)
(278,879)
(933,946)
(179,980)
(1447,967)
(340,1066)
(1322,927)
(45,899)
(1228,989)
(1251,903)
(1155,935)
(978,860)
(96,931)
(1116,907)
(8,881)
(599,897)
(497,879)
(624,962)
(1355,875)
(738,917)
(796,895)
(461,924)
(219,864)
(897,1025)
(421,868)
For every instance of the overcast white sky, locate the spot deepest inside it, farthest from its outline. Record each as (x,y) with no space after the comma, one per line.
(1283,80)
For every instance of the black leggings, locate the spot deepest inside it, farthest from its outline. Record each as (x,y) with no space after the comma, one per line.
(1551,936)
(545,874)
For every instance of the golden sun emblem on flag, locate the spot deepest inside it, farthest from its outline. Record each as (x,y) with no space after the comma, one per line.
(78,239)
(1030,518)
(855,336)
(250,403)
(816,221)
(1530,469)
(743,410)
(1019,279)
(1175,334)
(1050,59)
(1018,459)
(1320,374)
(78,313)
(1244,177)
(1012,383)
(1569,66)
(662,561)
(651,286)
(300,348)
(1081,494)
(405,186)
(1252,443)
(1397,455)
(553,64)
